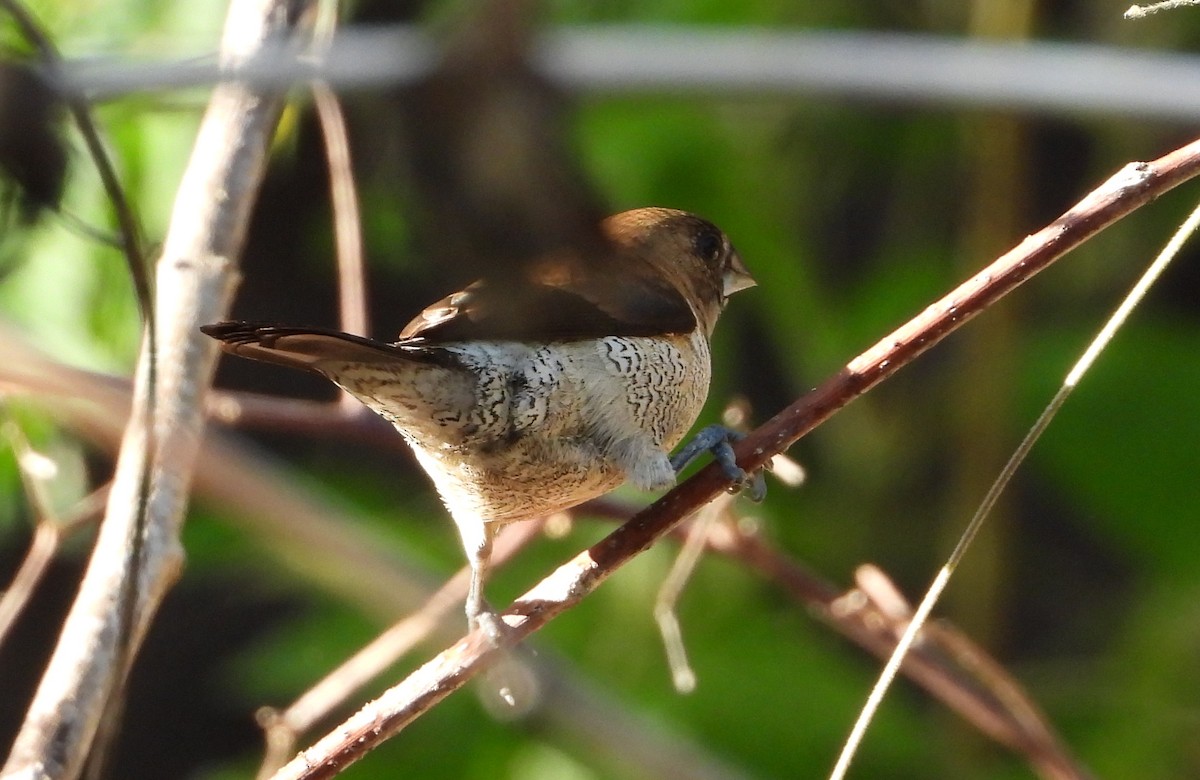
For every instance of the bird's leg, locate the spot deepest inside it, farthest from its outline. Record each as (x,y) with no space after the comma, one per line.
(477,538)
(718,440)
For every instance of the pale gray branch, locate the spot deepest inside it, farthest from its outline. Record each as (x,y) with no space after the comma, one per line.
(1027,75)
(195,279)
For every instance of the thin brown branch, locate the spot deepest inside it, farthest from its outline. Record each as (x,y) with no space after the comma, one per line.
(947,664)
(1132,187)
(37,559)
(347,223)
(695,540)
(49,531)
(47,539)
(283,728)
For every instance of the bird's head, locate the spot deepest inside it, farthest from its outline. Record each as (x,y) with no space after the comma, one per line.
(684,251)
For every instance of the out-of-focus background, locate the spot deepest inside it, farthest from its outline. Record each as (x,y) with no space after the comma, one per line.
(854,206)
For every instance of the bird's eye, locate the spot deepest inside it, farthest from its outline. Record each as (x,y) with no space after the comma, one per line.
(709,244)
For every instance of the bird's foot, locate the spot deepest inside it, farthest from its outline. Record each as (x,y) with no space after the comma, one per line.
(489,623)
(507,685)
(719,440)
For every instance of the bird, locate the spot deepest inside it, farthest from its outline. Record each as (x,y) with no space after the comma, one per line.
(531,391)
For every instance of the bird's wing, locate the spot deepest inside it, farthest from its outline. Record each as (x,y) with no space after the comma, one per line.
(556,301)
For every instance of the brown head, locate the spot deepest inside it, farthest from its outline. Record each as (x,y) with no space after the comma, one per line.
(689,253)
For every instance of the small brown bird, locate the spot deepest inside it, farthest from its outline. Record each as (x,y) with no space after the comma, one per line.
(527,396)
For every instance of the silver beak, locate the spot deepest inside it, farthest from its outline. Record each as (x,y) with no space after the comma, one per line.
(736,276)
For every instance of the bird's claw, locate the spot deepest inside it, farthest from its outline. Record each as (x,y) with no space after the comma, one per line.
(490,624)
(754,485)
(718,440)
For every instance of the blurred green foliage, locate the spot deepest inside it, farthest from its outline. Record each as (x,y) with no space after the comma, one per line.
(853,216)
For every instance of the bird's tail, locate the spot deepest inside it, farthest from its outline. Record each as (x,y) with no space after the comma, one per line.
(306,348)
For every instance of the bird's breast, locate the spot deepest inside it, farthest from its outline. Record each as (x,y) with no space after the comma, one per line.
(659,384)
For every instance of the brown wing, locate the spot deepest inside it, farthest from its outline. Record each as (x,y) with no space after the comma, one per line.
(614,304)
(623,288)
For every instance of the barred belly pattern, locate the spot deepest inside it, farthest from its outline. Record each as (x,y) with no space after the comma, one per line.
(511,431)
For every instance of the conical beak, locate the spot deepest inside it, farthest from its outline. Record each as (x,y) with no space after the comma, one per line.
(736,276)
